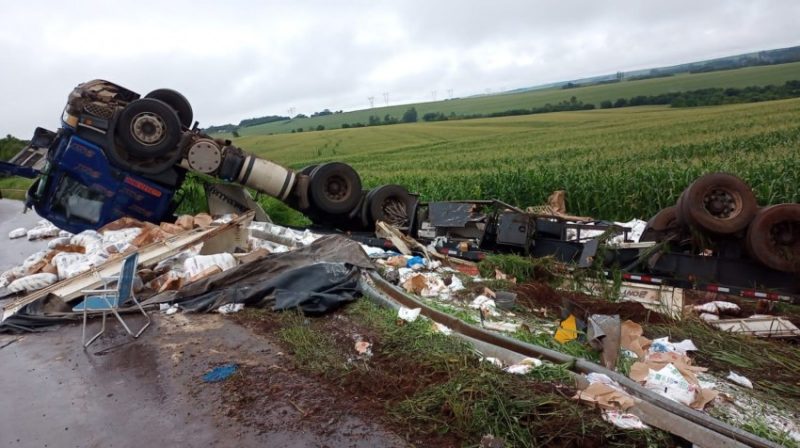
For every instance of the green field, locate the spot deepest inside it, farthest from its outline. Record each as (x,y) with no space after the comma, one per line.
(750,76)
(613,163)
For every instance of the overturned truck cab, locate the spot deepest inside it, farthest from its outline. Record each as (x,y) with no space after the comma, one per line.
(119,154)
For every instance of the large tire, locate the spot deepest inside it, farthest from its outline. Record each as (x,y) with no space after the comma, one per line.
(773,238)
(148,128)
(177,102)
(391,204)
(717,203)
(335,188)
(660,224)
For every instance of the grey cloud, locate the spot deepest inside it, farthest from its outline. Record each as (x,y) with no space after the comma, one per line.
(242,58)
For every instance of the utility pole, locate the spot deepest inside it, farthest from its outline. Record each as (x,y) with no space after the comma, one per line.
(386,98)
(450,93)
(433,95)
(291,112)
(371,102)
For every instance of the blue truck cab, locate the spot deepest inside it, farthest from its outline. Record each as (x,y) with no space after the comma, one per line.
(102,165)
(79,189)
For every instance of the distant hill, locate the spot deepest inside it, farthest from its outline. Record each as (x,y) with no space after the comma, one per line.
(592,94)
(766,57)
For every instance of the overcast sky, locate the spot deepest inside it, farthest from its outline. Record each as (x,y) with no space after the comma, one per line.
(240,59)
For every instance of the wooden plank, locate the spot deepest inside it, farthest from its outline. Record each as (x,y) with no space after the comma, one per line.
(152,253)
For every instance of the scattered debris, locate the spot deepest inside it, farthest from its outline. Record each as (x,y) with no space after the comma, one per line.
(663,367)
(230,308)
(17,233)
(623,420)
(444,329)
(719,307)
(603,333)
(220,373)
(493,361)
(739,379)
(524,367)
(490,441)
(567,330)
(408,314)
(760,326)
(169,309)
(364,348)
(505,299)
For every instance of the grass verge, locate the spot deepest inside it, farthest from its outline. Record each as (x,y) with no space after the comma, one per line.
(435,390)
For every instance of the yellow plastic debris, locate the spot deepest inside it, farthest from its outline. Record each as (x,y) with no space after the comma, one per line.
(567,330)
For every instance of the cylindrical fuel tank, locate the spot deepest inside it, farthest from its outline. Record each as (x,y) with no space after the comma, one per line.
(267,177)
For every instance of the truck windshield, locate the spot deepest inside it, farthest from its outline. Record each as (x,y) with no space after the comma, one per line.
(76,200)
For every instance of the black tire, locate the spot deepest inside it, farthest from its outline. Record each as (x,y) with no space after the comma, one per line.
(773,238)
(148,128)
(366,219)
(391,204)
(150,165)
(335,188)
(177,102)
(718,203)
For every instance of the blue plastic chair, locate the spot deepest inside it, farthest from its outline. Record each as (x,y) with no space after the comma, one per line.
(109,300)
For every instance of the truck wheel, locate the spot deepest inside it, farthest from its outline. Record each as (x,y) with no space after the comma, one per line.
(773,237)
(391,204)
(717,203)
(149,165)
(661,223)
(177,102)
(148,128)
(335,188)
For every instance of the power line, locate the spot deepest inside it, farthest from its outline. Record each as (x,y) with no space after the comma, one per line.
(371,102)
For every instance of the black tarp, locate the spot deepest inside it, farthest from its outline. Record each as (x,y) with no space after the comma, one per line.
(316,288)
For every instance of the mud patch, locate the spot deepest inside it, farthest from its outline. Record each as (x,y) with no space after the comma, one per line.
(428,388)
(535,296)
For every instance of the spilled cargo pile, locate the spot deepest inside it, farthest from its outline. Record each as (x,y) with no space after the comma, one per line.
(265,265)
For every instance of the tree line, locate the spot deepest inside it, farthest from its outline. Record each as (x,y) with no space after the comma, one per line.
(10,146)
(692,98)
(713,96)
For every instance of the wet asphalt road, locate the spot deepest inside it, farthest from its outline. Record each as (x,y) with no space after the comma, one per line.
(13,252)
(145,392)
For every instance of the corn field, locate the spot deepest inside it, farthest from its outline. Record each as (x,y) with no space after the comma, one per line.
(614,164)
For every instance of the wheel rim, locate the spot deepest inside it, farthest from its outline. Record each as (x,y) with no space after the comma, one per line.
(336,188)
(774,237)
(785,235)
(148,128)
(395,212)
(722,204)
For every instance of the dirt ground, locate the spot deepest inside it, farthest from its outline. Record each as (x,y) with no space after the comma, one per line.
(149,392)
(541,295)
